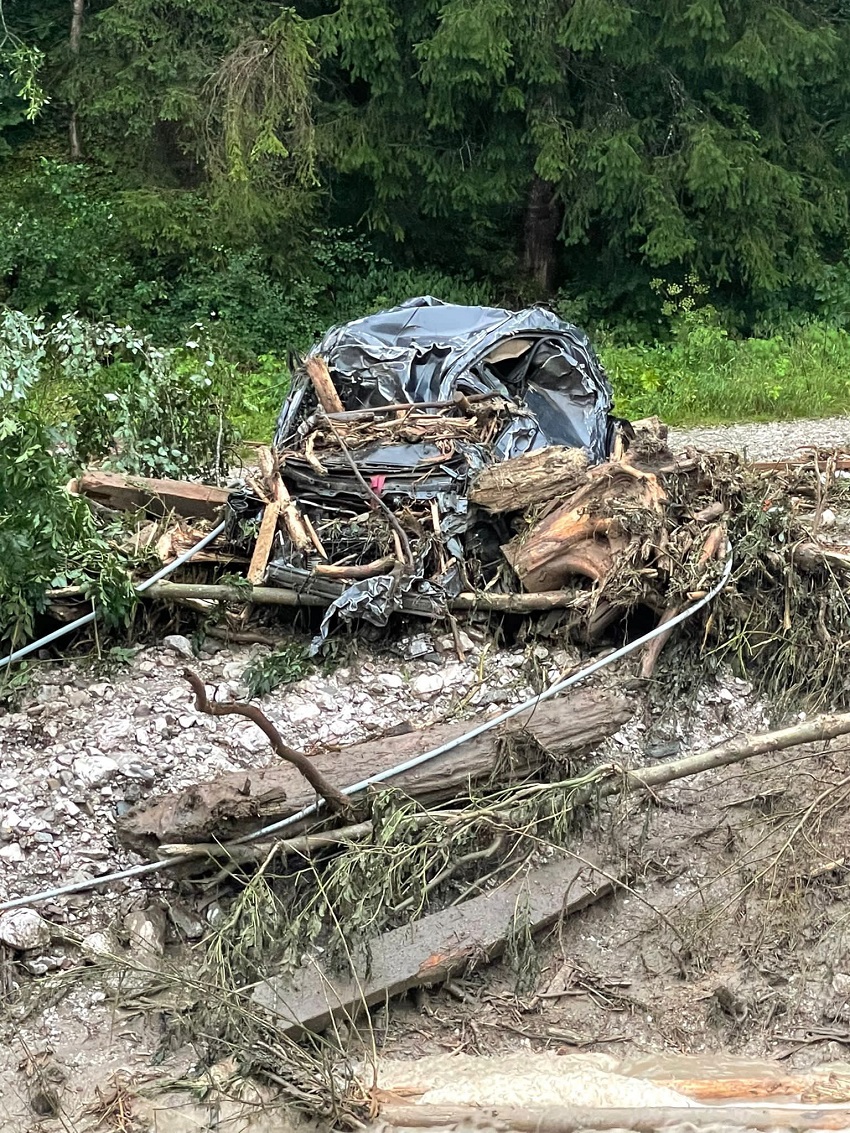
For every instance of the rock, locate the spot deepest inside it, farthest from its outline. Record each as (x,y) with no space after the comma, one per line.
(10,822)
(12,853)
(186,923)
(23,930)
(300,710)
(95,945)
(233,670)
(427,686)
(146,930)
(180,645)
(389,681)
(94,770)
(132,768)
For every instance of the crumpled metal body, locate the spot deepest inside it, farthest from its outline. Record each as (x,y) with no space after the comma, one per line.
(426,350)
(553,391)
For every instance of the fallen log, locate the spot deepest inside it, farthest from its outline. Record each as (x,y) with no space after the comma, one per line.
(643,1119)
(284,596)
(534,477)
(433,948)
(238,803)
(158,497)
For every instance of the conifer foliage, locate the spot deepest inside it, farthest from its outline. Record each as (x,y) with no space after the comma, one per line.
(559,142)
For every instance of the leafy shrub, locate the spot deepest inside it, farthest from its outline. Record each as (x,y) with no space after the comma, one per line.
(115,395)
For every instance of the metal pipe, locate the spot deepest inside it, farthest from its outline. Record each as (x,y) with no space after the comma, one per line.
(90,617)
(382,776)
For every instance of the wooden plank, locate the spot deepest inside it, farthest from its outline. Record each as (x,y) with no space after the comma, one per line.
(241,801)
(129,493)
(319,375)
(430,950)
(263,546)
(646,1119)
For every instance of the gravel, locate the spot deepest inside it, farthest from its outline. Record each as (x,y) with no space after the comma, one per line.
(771,440)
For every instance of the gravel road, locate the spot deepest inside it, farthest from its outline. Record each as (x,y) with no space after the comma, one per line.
(774,440)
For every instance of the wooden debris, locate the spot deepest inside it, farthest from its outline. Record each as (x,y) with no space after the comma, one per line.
(320,784)
(279,493)
(263,546)
(539,476)
(430,950)
(809,1088)
(235,804)
(158,497)
(644,1119)
(583,534)
(282,596)
(319,375)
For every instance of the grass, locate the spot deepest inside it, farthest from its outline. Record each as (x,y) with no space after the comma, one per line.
(704,376)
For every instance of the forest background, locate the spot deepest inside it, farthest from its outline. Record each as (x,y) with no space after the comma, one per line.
(190,190)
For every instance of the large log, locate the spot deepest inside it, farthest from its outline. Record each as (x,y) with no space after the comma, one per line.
(239,803)
(531,478)
(430,950)
(135,493)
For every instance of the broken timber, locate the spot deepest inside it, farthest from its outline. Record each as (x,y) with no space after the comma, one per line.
(240,802)
(646,1119)
(430,950)
(129,493)
(534,477)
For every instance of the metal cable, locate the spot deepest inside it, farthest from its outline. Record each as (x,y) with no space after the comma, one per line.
(383,776)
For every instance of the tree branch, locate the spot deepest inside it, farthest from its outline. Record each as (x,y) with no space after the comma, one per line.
(335,799)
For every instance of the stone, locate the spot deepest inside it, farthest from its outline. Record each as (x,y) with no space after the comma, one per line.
(427,686)
(95,945)
(12,853)
(180,645)
(24,930)
(299,711)
(389,681)
(186,923)
(94,770)
(146,931)
(10,822)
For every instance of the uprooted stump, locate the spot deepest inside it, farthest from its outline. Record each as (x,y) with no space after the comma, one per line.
(235,804)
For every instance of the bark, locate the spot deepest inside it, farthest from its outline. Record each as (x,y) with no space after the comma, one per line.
(236,804)
(75,39)
(540,231)
(532,478)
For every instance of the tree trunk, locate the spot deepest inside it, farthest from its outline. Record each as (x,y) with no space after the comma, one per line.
(542,221)
(237,803)
(77,8)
